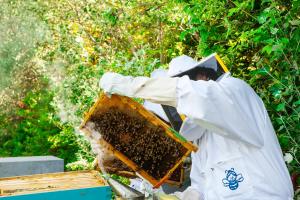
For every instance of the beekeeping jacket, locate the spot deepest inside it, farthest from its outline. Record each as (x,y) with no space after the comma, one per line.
(239,156)
(154,107)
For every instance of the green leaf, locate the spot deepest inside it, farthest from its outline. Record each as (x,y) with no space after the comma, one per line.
(277,47)
(297,102)
(183,34)
(267,49)
(233,11)
(262,18)
(274,30)
(228,25)
(262,71)
(295,22)
(277,93)
(284,40)
(284,141)
(204,35)
(280,107)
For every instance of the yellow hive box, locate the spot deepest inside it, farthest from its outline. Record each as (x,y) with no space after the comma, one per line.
(131,107)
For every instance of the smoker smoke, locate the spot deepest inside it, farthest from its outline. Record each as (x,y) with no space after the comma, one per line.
(20,33)
(97,148)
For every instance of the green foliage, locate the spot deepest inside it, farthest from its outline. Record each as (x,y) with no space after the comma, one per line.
(80,165)
(36,131)
(121,179)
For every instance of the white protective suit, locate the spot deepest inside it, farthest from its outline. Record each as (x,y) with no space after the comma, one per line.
(239,156)
(154,107)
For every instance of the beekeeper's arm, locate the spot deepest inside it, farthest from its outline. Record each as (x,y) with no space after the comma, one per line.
(210,104)
(156,90)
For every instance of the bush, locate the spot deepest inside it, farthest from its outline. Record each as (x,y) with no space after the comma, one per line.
(35,130)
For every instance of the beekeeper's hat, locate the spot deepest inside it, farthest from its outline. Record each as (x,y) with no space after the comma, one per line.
(182,64)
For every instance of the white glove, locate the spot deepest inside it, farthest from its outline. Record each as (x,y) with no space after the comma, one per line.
(108,80)
(189,194)
(163,196)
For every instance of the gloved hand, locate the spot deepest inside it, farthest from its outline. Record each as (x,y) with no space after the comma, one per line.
(189,194)
(108,80)
(163,196)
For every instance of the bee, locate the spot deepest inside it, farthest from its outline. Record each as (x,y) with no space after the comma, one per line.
(232,179)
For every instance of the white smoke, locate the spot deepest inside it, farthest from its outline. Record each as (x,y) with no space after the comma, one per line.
(21,32)
(98,148)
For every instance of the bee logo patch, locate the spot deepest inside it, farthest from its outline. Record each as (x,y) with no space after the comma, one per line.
(232,179)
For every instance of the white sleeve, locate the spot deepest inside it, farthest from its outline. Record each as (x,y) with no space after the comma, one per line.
(156,90)
(228,108)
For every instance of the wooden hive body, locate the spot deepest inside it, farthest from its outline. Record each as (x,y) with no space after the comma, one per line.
(65,185)
(131,107)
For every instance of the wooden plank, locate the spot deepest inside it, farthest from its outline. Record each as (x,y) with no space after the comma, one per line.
(50,182)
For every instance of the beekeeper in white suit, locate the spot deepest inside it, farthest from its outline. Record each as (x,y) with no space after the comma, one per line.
(239,156)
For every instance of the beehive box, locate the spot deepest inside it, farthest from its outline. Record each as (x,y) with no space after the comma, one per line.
(87,185)
(137,137)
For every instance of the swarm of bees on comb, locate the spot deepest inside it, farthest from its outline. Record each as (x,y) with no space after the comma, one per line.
(145,144)
(176,175)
